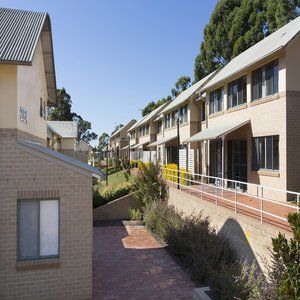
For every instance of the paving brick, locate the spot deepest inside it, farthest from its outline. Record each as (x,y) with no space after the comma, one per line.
(128,263)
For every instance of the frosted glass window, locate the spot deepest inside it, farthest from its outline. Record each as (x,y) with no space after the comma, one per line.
(38,229)
(49,227)
(28,228)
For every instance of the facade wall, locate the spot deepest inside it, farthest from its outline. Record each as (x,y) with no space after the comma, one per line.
(31,86)
(249,239)
(68,144)
(268,116)
(293,113)
(27,175)
(8,96)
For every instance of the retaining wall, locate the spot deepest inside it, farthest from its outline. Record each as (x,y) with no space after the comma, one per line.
(250,239)
(116,210)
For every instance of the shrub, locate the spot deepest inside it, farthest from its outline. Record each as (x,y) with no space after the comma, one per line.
(161,218)
(135,214)
(148,185)
(112,193)
(287,259)
(109,194)
(171,174)
(98,200)
(206,256)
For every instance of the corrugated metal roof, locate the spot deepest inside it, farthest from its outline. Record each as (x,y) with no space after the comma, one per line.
(182,97)
(136,124)
(125,127)
(214,133)
(20,31)
(65,129)
(62,157)
(269,45)
(163,140)
(153,114)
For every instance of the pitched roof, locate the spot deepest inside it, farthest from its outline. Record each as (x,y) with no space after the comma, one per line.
(20,32)
(136,124)
(269,45)
(125,127)
(153,114)
(65,129)
(182,97)
(62,157)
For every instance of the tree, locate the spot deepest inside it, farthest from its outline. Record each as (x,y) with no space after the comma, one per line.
(119,126)
(63,112)
(153,105)
(102,141)
(236,25)
(183,83)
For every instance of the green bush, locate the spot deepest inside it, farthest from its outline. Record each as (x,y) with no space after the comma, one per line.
(148,185)
(206,256)
(286,255)
(109,194)
(161,219)
(135,214)
(170,173)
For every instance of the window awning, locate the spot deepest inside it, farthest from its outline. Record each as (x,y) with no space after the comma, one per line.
(139,145)
(163,141)
(216,132)
(126,147)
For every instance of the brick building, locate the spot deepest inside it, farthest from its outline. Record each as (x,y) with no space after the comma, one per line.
(45,196)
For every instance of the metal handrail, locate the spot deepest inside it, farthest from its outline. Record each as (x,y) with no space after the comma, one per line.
(231,180)
(236,192)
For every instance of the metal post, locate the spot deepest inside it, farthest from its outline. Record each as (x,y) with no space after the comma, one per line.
(178,146)
(298,203)
(235,197)
(223,162)
(261,205)
(216,195)
(106,167)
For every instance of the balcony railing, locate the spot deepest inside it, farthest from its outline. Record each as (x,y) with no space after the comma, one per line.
(266,204)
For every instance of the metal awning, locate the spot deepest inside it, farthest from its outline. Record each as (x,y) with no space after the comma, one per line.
(216,132)
(139,145)
(126,147)
(163,141)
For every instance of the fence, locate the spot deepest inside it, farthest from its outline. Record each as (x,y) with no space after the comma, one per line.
(247,198)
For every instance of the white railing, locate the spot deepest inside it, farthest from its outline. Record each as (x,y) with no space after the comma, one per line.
(260,201)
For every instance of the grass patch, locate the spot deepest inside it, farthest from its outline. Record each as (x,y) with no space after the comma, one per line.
(115,179)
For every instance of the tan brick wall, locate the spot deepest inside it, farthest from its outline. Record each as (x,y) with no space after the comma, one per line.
(116,210)
(249,239)
(26,175)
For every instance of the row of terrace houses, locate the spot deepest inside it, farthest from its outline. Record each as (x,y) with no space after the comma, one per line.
(240,122)
(45,195)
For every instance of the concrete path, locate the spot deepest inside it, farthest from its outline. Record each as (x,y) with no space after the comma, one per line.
(128,263)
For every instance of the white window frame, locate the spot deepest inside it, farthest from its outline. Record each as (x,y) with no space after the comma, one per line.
(39,200)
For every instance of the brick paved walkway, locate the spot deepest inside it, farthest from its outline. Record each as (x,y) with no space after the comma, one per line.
(128,263)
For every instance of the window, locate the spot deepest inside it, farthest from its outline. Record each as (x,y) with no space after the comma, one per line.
(38,229)
(167,121)
(174,117)
(203,111)
(216,101)
(132,135)
(237,92)
(184,113)
(266,153)
(265,81)
(159,126)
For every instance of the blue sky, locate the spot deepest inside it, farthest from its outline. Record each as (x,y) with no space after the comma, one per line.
(114,56)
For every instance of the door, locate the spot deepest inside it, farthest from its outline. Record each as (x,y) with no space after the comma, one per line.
(215,159)
(237,162)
